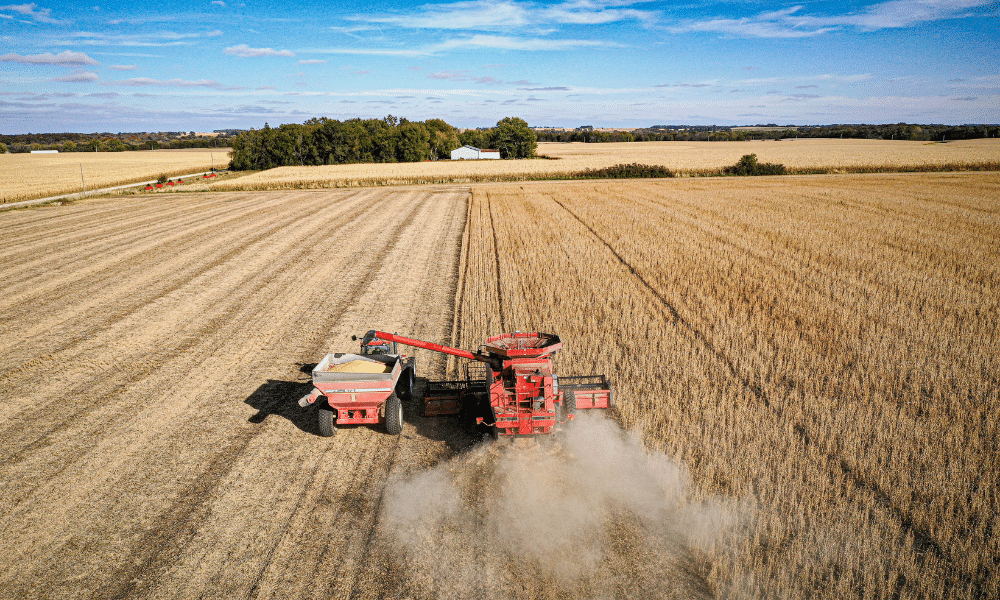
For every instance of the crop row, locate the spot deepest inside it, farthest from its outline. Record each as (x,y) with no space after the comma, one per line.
(820,352)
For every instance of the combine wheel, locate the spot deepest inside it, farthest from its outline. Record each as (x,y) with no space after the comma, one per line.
(406,384)
(393,415)
(327,424)
(569,402)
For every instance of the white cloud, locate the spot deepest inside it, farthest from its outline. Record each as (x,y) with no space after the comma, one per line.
(42,16)
(152,39)
(65,59)
(826,77)
(500,42)
(480,41)
(587,13)
(219,3)
(147,81)
(793,23)
(123,67)
(244,51)
(451,75)
(476,14)
(312,61)
(898,13)
(79,77)
(488,15)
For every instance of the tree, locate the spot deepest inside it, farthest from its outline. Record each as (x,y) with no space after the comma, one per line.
(414,143)
(513,138)
(3,148)
(443,138)
(474,138)
(69,146)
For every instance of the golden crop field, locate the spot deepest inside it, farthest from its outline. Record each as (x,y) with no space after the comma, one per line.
(804,369)
(818,351)
(28,176)
(681,156)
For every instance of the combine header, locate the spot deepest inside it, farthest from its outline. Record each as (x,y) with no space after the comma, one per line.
(509,386)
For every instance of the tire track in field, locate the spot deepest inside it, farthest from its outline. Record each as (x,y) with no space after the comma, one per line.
(123,375)
(496,254)
(184,278)
(116,451)
(142,247)
(103,222)
(181,276)
(179,543)
(36,226)
(68,254)
(358,495)
(360,275)
(146,288)
(924,538)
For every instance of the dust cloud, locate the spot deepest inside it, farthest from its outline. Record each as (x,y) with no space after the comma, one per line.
(586,513)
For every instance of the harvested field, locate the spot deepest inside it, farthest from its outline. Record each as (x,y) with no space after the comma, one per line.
(820,351)
(807,361)
(679,156)
(29,176)
(151,444)
(803,153)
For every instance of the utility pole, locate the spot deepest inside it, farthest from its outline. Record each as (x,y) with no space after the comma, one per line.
(82,180)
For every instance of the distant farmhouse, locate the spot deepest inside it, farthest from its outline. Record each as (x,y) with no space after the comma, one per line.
(472,153)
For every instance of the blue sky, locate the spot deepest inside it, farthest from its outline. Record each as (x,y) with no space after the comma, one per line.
(218,64)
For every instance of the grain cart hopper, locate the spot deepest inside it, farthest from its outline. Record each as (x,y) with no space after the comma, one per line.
(510,386)
(365,388)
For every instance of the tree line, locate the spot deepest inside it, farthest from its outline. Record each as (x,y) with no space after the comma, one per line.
(709,133)
(323,141)
(84,142)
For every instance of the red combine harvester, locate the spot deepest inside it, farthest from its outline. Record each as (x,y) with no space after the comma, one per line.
(509,386)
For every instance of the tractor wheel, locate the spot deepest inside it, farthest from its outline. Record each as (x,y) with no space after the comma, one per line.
(569,402)
(393,415)
(327,423)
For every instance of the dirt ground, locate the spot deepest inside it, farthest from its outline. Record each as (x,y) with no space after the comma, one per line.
(151,445)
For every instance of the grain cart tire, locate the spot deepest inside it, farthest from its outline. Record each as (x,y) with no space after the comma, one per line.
(569,402)
(327,423)
(393,415)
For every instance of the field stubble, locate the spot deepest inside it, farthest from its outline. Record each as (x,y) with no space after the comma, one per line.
(30,176)
(807,358)
(151,445)
(150,441)
(686,158)
(821,349)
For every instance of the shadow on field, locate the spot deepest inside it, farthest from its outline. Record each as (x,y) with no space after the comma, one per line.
(281,398)
(453,430)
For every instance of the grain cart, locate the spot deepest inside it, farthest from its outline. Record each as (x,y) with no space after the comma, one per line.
(365,388)
(510,387)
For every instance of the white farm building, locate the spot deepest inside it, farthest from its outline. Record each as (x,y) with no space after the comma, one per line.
(472,153)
